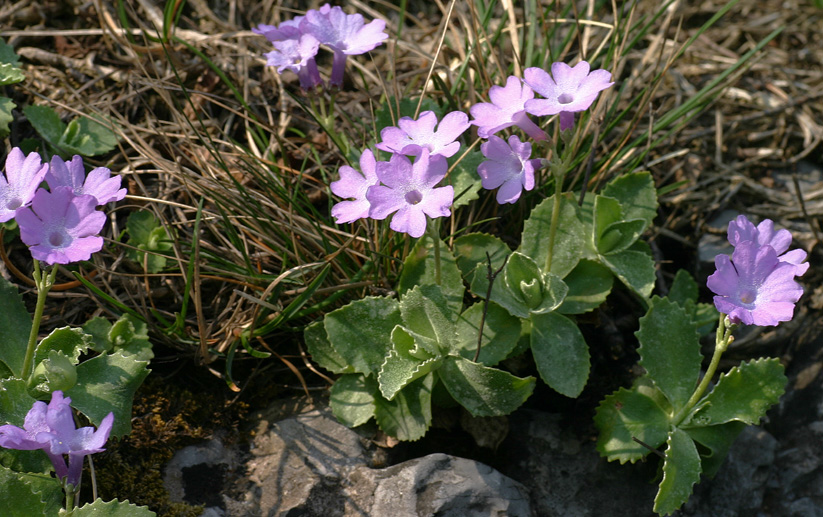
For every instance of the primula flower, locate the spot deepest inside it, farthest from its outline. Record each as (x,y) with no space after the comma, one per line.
(23,175)
(741,230)
(409,191)
(345,34)
(353,184)
(754,287)
(51,428)
(61,227)
(412,135)
(506,109)
(297,55)
(289,29)
(99,183)
(566,90)
(508,167)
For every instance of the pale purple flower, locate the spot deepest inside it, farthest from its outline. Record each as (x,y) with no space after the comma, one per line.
(741,230)
(754,287)
(566,90)
(99,183)
(506,109)
(297,55)
(345,34)
(507,166)
(410,191)
(23,175)
(289,29)
(411,135)
(354,184)
(51,428)
(61,227)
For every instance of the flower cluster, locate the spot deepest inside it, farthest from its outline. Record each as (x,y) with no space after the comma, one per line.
(297,41)
(51,428)
(757,285)
(60,225)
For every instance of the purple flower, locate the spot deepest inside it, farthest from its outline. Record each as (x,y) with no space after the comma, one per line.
(61,227)
(289,29)
(51,428)
(353,184)
(508,167)
(98,183)
(754,287)
(570,90)
(409,191)
(741,230)
(412,135)
(297,55)
(345,34)
(506,109)
(23,175)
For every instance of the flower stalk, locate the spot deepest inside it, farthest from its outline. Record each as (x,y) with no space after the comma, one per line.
(43,281)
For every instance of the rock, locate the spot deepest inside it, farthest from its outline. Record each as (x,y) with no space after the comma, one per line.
(198,473)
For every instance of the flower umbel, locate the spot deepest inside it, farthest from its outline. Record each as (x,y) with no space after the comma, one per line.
(508,166)
(23,175)
(411,135)
(410,191)
(353,184)
(566,90)
(99,183)
(61,227)
(506,109)
(741,230)
(51,428)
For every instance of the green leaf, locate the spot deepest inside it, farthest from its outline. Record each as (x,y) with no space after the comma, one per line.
(670,350)
(361,332)
(88,137)
(524,280)
(10,74)
(607,211)
(15,401)
(147,234)
(98,329)
(55,372)
(401,368)
(465,179)
(570,240)
(634,267)
(589,285)
(131,335)
(71,342)
(352,399)
(619,236)
(112,508)
(482,390)
(471,250)
(47,122)
(409,414)
(717,440)
(500,294)
(500,334)
(107,383)
(34,461)
(743,394)
(637,196)
(684,289)
(7,54)
(45,486)
(321,351)
(15,327)
(419,269)
(560,353)
(18,498)
(6,115)
(628,414)
(429,316)
(681,470)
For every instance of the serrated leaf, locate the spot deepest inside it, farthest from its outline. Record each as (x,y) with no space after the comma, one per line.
(15,327)
(470,251)
(570,240)
(634,268)
(8,55)
(361,332)
(130,335)
(408,415)
(684,289)
(71,342)
(15,401)
(55,372)
(636,194)
(465,179)
(46,121)
(6,115)
(112,508)
(744,394)
(47,487)
(589,285)
(717,440)
(482,390)
(501,331)
(18,498)
(429,316)
(399,370)
(681,471)
(107,383)
(419,269)
(560,353)
(88,137)
(670,350)
(628,414)
(352,399)
(321,351)
(98,329)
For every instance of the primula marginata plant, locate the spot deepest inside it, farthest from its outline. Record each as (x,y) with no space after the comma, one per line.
(60,226)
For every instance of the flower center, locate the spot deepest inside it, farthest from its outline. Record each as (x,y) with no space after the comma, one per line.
(56,239)
(565,98)
(748,296)
(14,203)
(413,197)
